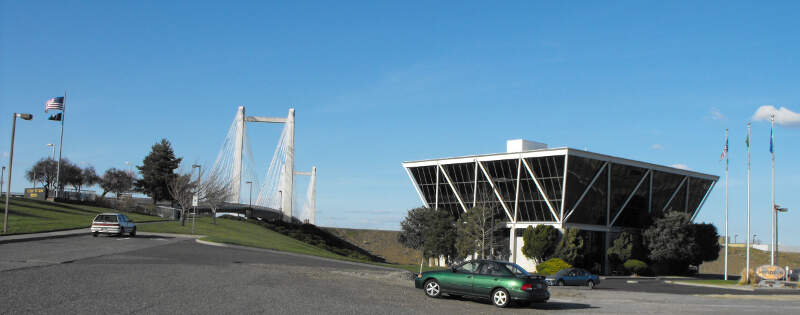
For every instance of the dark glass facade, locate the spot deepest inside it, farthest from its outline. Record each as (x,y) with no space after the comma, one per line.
(600,191)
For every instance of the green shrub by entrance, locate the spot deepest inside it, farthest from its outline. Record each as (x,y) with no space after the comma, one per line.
(635,266)
(552,266)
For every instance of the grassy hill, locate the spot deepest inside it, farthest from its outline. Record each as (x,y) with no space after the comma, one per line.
(736,260)
(380,243)
(31,216)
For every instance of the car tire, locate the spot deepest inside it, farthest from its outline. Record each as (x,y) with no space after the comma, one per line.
(133,232)
(500,298)
(432,288)
(590,284)
(95,234)
(560,283)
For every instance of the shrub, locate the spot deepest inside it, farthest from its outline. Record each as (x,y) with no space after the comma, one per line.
(552,266)
(635,266)
(540,243)
(753,278)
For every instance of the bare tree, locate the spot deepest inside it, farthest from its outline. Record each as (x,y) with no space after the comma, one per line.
(181,189)
(214,190)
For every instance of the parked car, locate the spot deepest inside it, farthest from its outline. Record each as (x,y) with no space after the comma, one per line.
(573,276)
(112,223)
(501,282)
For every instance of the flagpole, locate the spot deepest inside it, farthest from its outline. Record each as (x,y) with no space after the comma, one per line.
(727,196)
(772,209)
(61,143)
(747,264)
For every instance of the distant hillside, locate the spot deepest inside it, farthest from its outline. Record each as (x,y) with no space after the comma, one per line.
(736,260)
(379,243)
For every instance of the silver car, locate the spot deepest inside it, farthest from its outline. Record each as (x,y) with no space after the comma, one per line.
(112,223)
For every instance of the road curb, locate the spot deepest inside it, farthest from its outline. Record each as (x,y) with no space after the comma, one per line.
(28,238)
(257,249)
(750,289)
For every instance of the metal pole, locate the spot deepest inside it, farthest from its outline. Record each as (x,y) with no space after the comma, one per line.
(10,166)
(747,263)
(61,143)
(2,174)
(774,213)
(727,197)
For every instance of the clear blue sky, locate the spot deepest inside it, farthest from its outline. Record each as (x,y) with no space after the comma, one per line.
(378,84)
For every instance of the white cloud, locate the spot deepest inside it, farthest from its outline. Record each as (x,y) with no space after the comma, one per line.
(716,114)
(681,166)
(783,116)
(657,147)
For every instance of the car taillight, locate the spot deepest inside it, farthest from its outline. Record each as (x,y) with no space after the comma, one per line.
(527,287)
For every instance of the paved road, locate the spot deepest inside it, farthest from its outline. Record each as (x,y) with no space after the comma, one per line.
(172,275)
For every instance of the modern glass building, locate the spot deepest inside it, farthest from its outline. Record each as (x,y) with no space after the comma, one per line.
(562,187)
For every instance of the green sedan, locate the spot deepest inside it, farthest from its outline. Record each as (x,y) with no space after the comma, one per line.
(501,282)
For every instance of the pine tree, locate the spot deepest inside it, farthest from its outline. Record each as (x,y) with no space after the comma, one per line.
(157,171)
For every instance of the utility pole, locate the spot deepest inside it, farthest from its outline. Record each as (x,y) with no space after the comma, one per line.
(772,208)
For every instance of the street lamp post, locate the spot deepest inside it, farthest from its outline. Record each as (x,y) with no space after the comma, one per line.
(199,171)
(777,209)
(2,174)
(250,202)
(11,164)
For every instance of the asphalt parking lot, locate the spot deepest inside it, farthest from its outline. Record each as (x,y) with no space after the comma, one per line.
(157,275)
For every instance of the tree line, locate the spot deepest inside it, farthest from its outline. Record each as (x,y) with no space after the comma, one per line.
(669,245)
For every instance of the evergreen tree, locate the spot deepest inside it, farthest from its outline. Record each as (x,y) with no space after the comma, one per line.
(570,248)
(157,171)
(540,242)
(675,242)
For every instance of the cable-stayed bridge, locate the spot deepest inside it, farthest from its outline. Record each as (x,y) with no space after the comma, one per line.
(236,166)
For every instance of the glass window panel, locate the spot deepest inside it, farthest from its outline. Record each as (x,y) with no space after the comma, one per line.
(635,214)
(697,190)
(426,179)
(664,184)
(549,170)
(679,202)
(532,206)
(592,209)
(463,176)
(580,172)
(623,180)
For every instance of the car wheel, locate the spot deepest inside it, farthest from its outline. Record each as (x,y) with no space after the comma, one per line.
(500,298)
(133,232)
(433,289)
(590,284)
(560,283)
(95,234)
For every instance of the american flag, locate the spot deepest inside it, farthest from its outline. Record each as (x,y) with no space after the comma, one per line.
(724,150)
(56,103)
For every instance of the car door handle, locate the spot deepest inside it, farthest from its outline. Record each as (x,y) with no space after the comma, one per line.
(469,276)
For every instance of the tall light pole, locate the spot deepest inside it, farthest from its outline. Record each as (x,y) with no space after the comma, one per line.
(11,164)
(250,203)
(777,209)
(2,174)
(199,172)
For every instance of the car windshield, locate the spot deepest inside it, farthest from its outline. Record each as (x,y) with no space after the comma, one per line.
(105,218)
(517,270)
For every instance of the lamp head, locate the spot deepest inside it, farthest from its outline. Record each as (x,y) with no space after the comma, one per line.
(25,116)
(196,165)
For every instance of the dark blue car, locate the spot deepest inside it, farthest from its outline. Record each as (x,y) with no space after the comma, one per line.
(573,276)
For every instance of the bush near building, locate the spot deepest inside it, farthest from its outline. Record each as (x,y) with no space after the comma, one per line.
(675,243)
(551,266)
(540,243)
(635,266)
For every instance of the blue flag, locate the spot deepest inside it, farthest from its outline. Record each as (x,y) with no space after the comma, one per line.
(770,140)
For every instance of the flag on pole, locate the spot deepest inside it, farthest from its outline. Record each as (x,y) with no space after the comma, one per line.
(771,136)
(724,150)
(747,140)
(56,103)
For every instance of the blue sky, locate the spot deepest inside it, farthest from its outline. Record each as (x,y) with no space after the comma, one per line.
(375,84)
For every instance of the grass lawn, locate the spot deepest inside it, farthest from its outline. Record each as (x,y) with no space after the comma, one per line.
(31,216)
(712,281)
(248,234)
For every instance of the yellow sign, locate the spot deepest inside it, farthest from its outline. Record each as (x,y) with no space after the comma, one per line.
(769,272)
(33,195)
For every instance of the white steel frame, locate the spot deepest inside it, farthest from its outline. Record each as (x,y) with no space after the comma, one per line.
(561,220)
